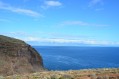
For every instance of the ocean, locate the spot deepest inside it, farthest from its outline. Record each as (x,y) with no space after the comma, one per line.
(76,58)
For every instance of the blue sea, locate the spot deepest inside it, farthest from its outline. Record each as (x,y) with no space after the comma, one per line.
(75,58)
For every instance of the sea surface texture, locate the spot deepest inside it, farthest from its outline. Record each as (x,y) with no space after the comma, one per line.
(75,58)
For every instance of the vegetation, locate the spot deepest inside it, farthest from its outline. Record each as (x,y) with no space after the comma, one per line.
(10,40)
(105,73)
(17,57)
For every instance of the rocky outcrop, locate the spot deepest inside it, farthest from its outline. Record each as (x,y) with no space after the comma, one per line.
(17,57)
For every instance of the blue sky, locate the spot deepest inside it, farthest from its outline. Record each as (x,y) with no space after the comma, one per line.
(61,22)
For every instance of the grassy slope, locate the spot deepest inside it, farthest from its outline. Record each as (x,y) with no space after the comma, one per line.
(104,73)
(10,40)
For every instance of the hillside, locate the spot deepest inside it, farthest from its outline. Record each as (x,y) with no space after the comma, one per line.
(17,57)
(105,73)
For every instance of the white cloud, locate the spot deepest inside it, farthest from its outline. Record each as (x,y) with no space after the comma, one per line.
(81,23)
(70,41)
(51,3)
(74,23)
(28,12)
(59,41)
(95,2)
(19,35)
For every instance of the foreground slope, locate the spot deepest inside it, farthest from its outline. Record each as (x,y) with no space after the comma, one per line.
(105,73)
(17,57)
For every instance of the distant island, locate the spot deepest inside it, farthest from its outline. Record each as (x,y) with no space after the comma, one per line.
(18,60)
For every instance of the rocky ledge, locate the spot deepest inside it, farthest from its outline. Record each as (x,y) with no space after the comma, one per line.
(17,57)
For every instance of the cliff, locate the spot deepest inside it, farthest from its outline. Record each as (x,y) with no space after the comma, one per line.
(17,57)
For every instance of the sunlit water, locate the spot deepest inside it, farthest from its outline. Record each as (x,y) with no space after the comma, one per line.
(73,58)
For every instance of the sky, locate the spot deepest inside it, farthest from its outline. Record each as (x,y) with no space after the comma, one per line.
(61,22)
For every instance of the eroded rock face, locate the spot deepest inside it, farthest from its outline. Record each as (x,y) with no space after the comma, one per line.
(17,57)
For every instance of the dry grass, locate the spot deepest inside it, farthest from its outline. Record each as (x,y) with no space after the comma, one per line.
(104,73)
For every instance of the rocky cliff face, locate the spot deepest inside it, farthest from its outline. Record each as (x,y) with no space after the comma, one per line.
(17,57)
